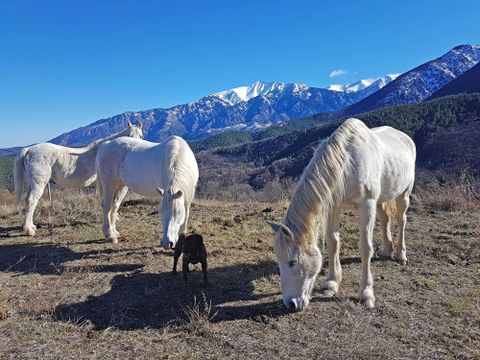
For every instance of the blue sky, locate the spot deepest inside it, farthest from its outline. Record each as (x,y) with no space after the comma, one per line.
(65,64)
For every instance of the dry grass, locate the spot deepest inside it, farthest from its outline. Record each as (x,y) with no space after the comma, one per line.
(68,294)
(442,192)
(198,317)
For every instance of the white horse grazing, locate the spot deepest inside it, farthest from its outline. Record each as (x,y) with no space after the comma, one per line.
(369,169)
(149,169)
(71,167)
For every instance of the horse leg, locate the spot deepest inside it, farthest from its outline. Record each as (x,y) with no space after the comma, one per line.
(118,198)
(107,202)
(330,286)
(403,202)
(365,245)
(35,192)
(387,248)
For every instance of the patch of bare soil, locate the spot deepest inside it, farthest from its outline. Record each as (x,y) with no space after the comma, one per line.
(68,294)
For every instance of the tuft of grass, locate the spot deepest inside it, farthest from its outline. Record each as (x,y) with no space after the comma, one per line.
(198,317)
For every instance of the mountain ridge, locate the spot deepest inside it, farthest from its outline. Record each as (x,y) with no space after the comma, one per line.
(263,104)
(467,83)
(420,82)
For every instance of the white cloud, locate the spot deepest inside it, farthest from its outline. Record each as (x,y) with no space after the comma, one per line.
(338,72)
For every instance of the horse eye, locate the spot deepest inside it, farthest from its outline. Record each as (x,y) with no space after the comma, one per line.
(293,263)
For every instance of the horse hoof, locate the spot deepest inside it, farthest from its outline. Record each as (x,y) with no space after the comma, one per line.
(328,293)
(329,288)
(367,298)
(369,303)
(30,232)
(114,240)
(401,259)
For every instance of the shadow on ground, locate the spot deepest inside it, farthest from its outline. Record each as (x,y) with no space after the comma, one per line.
(146,300)
(49,259)
(10,231)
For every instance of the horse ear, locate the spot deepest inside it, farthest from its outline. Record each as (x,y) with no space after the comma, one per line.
(140,125)
(160,191)
(178,194)
(129,123)
(280,227)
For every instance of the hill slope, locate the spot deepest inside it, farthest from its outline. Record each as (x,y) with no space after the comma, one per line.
(419,83)
(467,83)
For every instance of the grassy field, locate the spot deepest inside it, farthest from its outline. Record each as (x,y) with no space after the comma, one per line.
(67,294)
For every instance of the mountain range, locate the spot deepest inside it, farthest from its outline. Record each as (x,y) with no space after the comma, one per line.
(262,104)
(243,108)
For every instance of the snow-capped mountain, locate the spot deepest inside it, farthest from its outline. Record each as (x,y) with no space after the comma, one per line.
(246,108)
(262,104)
(419,83)
(245,93)
(366,87)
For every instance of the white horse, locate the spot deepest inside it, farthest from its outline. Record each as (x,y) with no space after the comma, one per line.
(371,170)
(39,164)
(149,169)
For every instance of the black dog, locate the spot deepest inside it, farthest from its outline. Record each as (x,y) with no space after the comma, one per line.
(194,252)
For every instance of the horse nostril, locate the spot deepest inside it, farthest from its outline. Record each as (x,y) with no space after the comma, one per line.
(292,305)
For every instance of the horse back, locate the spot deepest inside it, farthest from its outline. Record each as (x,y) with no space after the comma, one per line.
(382,163)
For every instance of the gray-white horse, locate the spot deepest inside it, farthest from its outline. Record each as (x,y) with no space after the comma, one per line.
(39,164)
(168,170)
(371,170)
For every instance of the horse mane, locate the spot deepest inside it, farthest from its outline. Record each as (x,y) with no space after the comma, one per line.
(181,176)
(322,185)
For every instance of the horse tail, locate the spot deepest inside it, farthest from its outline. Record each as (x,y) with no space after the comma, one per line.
(99,187)
(19,175)
(390,207)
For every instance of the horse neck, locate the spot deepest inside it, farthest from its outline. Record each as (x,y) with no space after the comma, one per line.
(97,143)
(321,188)
(305,217)
(180,175)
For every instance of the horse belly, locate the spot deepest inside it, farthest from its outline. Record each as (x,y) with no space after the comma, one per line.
(395,181)
(71,175)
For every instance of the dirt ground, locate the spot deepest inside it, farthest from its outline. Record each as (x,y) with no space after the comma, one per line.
(67,294)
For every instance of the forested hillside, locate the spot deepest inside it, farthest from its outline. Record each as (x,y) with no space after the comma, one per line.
(6,172)
(428,123)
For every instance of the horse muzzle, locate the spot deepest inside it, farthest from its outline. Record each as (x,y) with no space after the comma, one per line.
(296,304)
(167,244)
